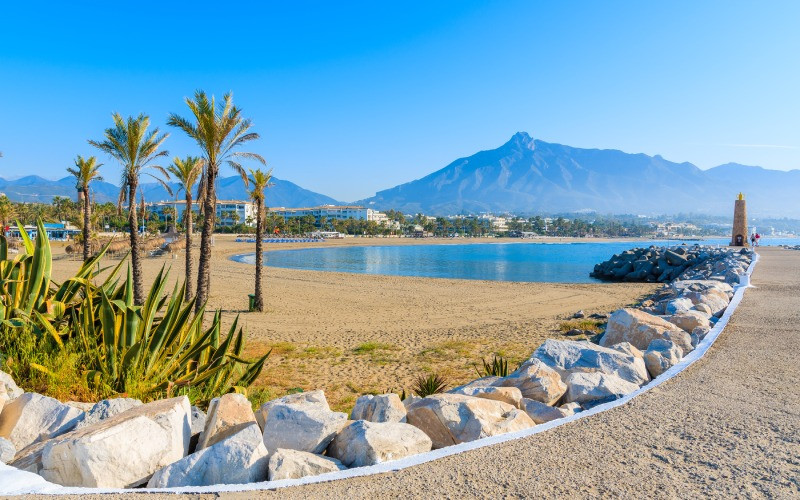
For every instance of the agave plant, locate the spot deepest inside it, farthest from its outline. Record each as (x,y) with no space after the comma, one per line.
(157,348)
(497,368)
(427,385)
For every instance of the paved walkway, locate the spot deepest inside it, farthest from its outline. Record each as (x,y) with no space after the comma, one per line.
(729,426)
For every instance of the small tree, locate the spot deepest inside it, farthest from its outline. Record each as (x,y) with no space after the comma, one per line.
(86,171)
(260,180)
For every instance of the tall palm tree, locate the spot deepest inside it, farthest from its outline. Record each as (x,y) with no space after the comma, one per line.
(260,180)
(86,171)
(219,129)
(130,143)
(187,171)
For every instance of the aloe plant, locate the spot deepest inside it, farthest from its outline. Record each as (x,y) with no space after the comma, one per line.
(427,385)
(157,348)
(497,368)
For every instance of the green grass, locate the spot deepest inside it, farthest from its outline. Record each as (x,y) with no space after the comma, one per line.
(592,325)
(369,347)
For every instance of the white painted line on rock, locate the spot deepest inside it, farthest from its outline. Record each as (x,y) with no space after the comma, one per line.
(16,482)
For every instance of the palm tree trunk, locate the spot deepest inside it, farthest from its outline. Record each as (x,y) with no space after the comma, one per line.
(86,208)
(136,257)
(187,221)
(259,302)
(209,216)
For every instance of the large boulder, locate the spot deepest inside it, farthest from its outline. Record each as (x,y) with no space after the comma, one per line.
(510,395)
(677,306)
(640,328)
(293,464)
(227,415)
(567,357)
(7,451)
(311,397)
(31,418)
(379,408)
(453,418)
(368,443)
(661,355)
(535,380)
(594,388)
(304,427)
(239,458)
(122,451)
(715,299)
(487,381)
(107,408)
(4,398)
(11,388)
(541,413)
(689,320)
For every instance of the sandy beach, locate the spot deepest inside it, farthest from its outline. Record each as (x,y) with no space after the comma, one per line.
(351,334)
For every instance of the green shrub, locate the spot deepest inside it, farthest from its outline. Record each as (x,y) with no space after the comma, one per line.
(497,368)
(157,349)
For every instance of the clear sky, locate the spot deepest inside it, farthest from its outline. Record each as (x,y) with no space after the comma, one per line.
(351,98)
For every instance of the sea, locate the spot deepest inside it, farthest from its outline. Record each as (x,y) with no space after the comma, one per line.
(526,262)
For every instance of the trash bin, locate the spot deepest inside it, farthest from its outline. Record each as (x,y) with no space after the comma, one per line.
(251,301)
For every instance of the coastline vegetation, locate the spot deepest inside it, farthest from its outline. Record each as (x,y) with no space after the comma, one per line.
(86,338)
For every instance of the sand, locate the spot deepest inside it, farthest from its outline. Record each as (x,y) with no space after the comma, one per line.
(351,334)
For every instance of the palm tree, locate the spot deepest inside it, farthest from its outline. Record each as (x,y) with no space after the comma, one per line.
(7,212)
(218,130)
(87,170)
(129,142)
(187,171)
(260,181)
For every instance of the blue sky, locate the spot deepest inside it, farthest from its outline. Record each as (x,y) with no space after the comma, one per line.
(357,97)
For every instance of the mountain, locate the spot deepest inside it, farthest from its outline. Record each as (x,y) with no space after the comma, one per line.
(531,176)
(35,188)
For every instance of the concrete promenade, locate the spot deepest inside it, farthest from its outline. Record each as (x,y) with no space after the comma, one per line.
(728,426)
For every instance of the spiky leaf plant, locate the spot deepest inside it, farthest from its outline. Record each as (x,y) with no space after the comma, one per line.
(427,385)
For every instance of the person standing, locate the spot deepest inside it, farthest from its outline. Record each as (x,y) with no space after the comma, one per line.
(758,237)
(753,239)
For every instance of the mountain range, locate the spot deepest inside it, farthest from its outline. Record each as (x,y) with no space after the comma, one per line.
(523,176)
(527,176)
(281,194)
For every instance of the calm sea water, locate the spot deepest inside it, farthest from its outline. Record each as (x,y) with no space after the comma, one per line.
(554,262)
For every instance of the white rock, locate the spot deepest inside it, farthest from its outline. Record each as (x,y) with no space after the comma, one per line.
(240,458)
(304,427)
(661,356)
(487,381)
(716,300)
(380,408)
(510,395)
(568,357)
(629,349)
(31,418)
(122,451)
(4,398)
(310,397)
(702,308)
(368,443)
(596,387)
(7,451)
(572,408)
(701,332)
(227,415)
(107,408)
(82,406)
(11,387)
(541,413)
(453,418)
(198,420)
(640,328)
(293,464)
(677,306)
(536,380)
(689,320)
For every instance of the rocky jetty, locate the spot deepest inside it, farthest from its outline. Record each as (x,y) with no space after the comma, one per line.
(666,264)
(123,443)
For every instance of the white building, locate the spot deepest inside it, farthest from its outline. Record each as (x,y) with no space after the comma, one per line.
(229,212)
(336,212)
